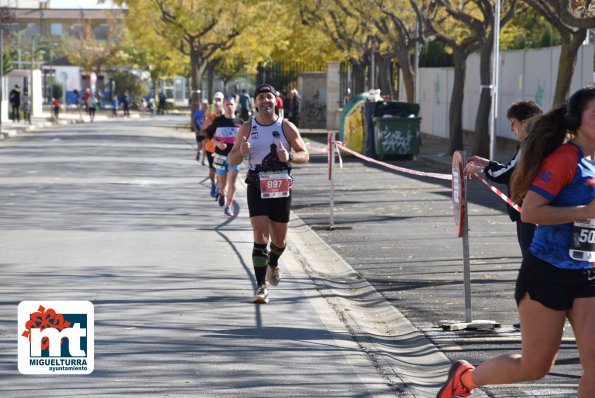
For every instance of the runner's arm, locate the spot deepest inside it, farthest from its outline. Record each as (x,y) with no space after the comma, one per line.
(235,156)
(291,132)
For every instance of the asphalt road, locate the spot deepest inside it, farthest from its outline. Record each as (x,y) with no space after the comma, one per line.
(112,212)
(119,214)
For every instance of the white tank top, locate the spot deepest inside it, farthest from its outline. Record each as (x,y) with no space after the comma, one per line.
(264,141)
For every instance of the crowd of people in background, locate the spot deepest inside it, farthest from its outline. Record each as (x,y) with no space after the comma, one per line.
(288,106)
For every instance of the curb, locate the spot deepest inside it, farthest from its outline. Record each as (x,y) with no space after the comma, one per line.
(409,362)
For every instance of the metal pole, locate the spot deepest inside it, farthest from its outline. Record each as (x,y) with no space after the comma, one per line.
(466,265)
(372,74)
(32,60)
(331,177)
(1,72)
(494,91)
(19,52)
(416,66)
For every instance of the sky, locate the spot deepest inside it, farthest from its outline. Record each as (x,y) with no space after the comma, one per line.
(79,4)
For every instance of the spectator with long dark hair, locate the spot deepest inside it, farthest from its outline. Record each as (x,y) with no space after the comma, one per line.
(555,179)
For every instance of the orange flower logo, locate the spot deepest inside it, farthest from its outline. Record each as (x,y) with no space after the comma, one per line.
(43,319)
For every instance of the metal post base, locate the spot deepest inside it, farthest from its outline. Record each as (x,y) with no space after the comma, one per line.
(473,325)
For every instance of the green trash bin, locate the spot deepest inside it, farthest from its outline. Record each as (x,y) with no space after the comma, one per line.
(397,135)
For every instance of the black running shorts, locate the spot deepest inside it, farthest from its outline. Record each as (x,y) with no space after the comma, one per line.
(210,160)
(554,287)
(276,209)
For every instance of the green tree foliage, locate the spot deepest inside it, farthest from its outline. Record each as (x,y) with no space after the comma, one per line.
(154,56)
(228,68)
(570,19)
(92,54)
(459,37)
(127,81)
(8,64)
(348,28)
(434,54)
(196,28)
(7,18)
(57,91)
(295,41)
(528,29)
(396,23)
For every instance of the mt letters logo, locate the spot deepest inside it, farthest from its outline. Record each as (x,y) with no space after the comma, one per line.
(56,337)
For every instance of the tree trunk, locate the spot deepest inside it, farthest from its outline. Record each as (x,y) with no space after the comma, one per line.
(359,78)
(481,144)
(566,65)
(210,79)
(154,79)
(384,79)
(404,59)
(455,113)
(197,67)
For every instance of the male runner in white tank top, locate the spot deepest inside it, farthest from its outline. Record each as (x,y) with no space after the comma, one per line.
(271,145)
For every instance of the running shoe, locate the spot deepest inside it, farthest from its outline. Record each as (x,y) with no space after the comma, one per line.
(262,295)
(213,191)
(228,211)
(454,388)
(273,275)
(221,199)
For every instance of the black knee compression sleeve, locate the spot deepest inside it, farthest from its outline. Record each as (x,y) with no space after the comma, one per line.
(260,255)
(276,252)
(260,260)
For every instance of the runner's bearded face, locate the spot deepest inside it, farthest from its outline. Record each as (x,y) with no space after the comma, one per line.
(265,102)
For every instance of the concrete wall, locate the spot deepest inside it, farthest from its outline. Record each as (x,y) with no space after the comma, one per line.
(524,74)
(20,77)
(70,79)
(312,89)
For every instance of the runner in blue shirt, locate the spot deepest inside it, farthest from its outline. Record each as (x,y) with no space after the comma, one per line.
(556,180)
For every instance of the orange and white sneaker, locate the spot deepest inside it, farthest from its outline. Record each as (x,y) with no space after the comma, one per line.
(454,387)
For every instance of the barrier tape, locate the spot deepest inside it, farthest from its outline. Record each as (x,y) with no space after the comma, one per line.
(340,145)
(499,193)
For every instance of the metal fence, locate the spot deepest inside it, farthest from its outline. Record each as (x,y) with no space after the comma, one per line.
(283,75)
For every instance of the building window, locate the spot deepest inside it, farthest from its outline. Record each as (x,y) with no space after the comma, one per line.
(76,30)
(56,29)
(100,32)
(32,29)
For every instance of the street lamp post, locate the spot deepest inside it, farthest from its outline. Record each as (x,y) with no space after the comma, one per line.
(495,77)
(32,65)
(1,72)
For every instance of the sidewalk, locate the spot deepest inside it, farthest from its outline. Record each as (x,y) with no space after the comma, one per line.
(12,129)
